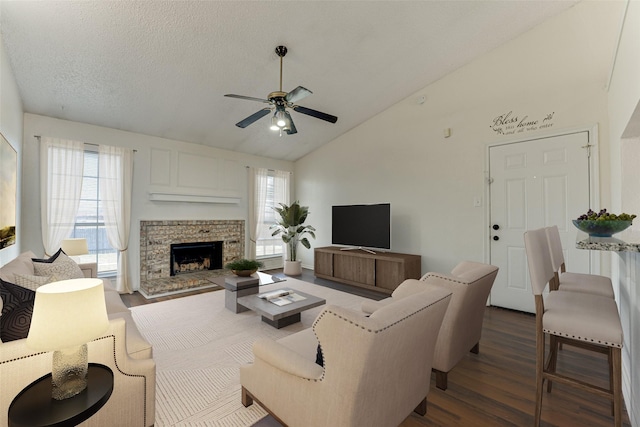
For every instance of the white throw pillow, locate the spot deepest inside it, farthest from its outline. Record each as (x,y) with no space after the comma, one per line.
(63,268)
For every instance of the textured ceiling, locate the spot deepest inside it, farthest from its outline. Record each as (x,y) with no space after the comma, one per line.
(162,68)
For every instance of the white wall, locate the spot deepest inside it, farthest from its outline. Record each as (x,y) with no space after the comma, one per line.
(11,128)
(401,156)
(624,119)
(160,165)
(624,94)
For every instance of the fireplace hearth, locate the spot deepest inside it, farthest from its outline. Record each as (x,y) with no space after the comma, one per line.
(195,256)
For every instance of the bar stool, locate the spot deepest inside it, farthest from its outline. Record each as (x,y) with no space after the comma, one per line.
(583,320)
(573,282)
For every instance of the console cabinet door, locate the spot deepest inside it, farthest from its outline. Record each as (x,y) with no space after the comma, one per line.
(389,274)
(323,263)
(355,269)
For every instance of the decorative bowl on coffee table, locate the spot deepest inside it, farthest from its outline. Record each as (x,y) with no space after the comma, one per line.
(602,228)
(244,273)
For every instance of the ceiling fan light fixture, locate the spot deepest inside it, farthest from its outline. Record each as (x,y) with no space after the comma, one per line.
(274,123)
(280,101)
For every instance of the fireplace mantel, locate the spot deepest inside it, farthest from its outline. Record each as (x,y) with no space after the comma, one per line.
(192,198)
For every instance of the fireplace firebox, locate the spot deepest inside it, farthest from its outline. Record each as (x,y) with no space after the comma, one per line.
(197,256)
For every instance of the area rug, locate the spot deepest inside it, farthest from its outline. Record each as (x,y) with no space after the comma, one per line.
(199,346)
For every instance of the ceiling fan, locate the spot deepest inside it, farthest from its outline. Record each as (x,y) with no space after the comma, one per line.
(279,102)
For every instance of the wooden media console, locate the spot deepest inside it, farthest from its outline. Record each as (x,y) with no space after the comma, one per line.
(381,272)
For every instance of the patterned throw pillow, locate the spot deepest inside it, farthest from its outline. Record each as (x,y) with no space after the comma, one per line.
(33,282)
(17,308)
(62,267)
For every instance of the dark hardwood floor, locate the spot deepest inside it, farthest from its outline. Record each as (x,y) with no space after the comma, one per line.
(497,386)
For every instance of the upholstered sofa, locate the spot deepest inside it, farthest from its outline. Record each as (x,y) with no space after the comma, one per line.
(122,348)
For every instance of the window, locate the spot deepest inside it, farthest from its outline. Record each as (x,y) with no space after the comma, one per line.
(89,223)
(277,192)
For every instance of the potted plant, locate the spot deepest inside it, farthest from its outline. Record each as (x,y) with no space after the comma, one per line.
(290,226)
(244,267)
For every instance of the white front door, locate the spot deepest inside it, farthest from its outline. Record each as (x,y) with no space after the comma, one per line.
(535,183)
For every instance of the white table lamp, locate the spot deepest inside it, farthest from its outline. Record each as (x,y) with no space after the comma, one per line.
(75,246)
(67,315)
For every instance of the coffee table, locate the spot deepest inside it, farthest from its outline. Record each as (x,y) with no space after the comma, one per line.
(236,287)
(280,316)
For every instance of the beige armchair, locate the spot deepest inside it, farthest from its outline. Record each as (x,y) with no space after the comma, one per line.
(376,369)
(461,328)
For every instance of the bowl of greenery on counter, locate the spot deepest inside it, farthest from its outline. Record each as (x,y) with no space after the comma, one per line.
(603,223)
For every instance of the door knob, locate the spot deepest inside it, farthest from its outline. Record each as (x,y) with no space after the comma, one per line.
(496,227)
(496,238)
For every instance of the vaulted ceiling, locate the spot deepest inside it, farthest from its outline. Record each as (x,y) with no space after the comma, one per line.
(162,68)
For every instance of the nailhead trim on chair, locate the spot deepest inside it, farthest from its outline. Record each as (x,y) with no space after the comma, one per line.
(144,378)
(560,334)
(378,330)
(426,276)
(325,312)
(23,357)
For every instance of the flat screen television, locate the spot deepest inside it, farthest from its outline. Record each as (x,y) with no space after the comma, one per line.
(362,226)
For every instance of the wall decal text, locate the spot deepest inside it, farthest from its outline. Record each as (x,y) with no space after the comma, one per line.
(511,124)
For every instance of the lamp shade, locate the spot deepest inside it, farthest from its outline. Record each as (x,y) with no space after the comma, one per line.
(67,313)
(73,247)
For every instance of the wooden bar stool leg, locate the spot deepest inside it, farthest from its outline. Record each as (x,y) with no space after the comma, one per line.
(540,344)
(611,385)
(616,356)
(552,359)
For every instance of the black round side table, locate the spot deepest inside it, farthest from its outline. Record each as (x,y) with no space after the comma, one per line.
(34,406)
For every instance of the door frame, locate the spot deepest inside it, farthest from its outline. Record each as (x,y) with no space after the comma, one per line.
(594,182)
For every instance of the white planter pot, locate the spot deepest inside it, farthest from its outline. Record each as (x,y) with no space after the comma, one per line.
(293,268)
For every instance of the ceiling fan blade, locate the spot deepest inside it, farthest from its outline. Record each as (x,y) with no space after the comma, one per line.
(248,98)
(291,128)
(297,94)
(252,118)
(316,114)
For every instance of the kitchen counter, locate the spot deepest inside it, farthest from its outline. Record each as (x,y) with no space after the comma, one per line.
(626,241)
(626,283)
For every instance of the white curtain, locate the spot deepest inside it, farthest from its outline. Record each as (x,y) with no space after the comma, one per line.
(281,191)
(281,187)
(61,170)
(257,201)
(115,180)
(260,202)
